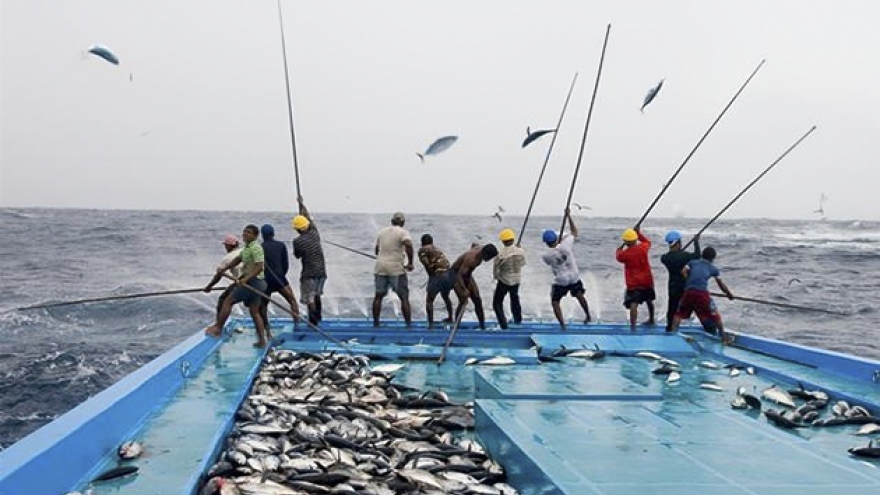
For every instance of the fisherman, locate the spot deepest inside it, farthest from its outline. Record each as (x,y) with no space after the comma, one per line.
(675,260)
(230,243)
(507,271)
(633,253)
(437,266)
(393,248)
(277,265)
(566,278)
(252,260)
(307,247)
(696,298)
(465,286)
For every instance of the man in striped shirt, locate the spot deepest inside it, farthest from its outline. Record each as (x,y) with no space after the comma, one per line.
(307,247)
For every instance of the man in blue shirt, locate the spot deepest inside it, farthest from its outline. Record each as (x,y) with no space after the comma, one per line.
(696,298)
(277,264)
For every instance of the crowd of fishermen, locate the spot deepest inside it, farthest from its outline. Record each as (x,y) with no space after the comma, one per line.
(259,270)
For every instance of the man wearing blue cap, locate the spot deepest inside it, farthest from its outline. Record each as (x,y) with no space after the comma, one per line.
(674,261)
(277,264)
(566,277)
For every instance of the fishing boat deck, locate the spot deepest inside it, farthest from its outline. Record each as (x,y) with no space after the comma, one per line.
(572,426)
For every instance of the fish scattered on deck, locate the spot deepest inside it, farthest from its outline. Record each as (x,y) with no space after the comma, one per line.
(711,386)
(869,451)
(868,429)
(438,146)
(498,361)
(778,395)
(673,377)
(388,368)
(710,365)
(116,472)
(130,450)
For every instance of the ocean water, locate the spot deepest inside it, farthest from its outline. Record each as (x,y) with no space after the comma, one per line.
(53,359)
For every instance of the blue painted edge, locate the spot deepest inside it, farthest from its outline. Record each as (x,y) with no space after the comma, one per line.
(98,425)
(835,362)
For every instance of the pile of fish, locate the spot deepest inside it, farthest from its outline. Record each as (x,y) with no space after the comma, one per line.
(329,424)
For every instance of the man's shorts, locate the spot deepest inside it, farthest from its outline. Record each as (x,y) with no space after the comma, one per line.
(638,296)
(276,284)
(247,296)
(700,302)
(310,288)
(557,292)
(440,283)
(397,283)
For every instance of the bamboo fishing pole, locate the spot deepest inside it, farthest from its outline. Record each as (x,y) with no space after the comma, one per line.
(287,310)
(355,251)
(752,183)
(116,298)
(699,143)
(586,129)
(451,336)
(779,304)
(289,104)
(546,159)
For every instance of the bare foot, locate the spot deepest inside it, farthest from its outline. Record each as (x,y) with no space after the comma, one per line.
(588,320)
(649,323)
(213,331)
(260,343)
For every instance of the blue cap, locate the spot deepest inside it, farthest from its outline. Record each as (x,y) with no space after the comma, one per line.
(267,230)
(673,236)
(549,236)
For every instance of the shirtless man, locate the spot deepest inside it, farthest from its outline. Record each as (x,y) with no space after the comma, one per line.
(465,287)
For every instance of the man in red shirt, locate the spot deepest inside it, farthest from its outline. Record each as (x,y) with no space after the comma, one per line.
(633,253)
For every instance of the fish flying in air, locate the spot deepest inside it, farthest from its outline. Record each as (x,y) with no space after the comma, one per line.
(438,146)
(652,93)
(532,136)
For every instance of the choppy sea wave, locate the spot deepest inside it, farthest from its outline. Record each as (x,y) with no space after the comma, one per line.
(53,359)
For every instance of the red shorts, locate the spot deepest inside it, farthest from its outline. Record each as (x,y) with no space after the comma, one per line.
(700,302)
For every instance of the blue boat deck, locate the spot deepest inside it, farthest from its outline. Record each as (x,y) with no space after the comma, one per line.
(569,426)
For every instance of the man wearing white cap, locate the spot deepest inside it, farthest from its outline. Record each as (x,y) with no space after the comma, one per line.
(230,243)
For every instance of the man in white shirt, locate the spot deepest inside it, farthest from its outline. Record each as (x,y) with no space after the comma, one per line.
(394,257)
(230,243)
(566,277)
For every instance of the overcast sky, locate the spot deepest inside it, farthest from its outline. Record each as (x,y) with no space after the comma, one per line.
(195,116)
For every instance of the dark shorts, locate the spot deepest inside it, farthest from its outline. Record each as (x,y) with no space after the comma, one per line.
(440,283)
(699,302)
(276,285)
(311,288)
(638,296)
(557,292)
(397,283)
(247,296)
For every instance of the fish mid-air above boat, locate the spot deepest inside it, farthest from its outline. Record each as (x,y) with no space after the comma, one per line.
(105,53)
(532,136)
(438,146)
(652,93)
(498,213)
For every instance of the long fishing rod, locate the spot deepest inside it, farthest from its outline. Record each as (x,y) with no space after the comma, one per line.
(355,251)
(289,104)
(287,310)
(546,159)
(586,129)
(116,298)
(781,305)
(752,183)
(452,333)
(700,142)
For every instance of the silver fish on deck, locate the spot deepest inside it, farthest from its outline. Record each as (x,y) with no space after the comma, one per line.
(778,395)
(498,361)
(130,450)
(673,377)
(438,146)
(868,429)
(711,386)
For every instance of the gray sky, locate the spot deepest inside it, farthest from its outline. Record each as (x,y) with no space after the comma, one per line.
(202,121)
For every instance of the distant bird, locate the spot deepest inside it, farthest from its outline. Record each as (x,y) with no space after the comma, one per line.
(531,136)
(498,213)
(105,53)
(581,207)
(652,93)
(438,146)
(793,280)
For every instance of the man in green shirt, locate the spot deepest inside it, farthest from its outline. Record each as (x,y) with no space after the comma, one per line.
(251,259)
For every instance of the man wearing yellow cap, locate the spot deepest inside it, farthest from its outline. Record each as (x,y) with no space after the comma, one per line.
(633,253)
(307,247)
(508,273)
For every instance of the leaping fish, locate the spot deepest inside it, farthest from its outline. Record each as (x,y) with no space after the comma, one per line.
(532,136)
(438,146)
(652,93)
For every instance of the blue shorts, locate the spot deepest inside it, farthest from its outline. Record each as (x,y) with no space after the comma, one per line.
(440,283)
(397,283)
(247,296)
